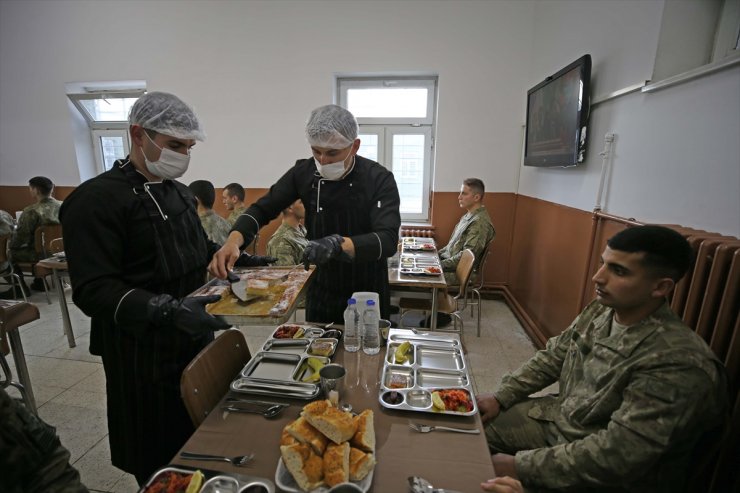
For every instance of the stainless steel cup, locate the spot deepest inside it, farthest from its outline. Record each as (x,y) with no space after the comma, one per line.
(346,488)
(331,377)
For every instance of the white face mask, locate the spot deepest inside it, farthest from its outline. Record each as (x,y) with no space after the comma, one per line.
(331,171)
(170,164)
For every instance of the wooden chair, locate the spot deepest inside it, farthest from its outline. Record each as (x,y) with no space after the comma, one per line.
(207,378)
(43,238)
(451,305)
(14,314)
(15,279)
(477,277)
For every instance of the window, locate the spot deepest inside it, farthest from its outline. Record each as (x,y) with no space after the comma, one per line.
(396,117)
(106,112)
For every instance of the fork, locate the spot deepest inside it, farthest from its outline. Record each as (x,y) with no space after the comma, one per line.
(239,460)
(422,428)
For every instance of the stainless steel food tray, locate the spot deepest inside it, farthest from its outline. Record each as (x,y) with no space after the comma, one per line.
(300,346)
(288,390)
(215,481)
(434,362)
(279,367)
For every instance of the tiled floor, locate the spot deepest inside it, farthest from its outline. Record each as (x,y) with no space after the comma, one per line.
(69,384)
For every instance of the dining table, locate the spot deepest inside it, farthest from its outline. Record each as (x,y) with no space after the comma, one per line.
(454,461)
(57,264)
(430,284)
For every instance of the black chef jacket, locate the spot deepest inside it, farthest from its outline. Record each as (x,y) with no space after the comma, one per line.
(111,249)
(363,206)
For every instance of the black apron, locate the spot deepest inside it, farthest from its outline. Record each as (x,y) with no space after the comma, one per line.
(147,420)
(342,207)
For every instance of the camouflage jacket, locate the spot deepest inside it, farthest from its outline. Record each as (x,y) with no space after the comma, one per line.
(6,223)
(287,245)
(234,215)
(39,214)
(474,230)
(633,403)
(217,228)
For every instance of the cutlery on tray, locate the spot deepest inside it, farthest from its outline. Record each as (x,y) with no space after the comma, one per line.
(422,428)
(239,460)
(421,485)
(267,412)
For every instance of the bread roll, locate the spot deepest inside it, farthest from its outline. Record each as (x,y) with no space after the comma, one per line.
(304,465)
(286,438)
(364,437)
(360,464)
(305,433)
(338,426)
(336,464)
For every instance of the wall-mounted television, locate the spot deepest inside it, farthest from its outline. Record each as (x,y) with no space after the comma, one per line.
(557,117)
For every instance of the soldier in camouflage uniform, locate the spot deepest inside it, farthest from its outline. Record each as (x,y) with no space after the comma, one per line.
(233,199)
(32,459)
(638,388)
(216,227)
(6,228)
(474,230)
(289,240)
(44,211)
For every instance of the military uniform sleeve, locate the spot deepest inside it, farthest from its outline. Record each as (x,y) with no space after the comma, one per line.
(283,251)
(660,407)
(475,238)
(385,221)
(27,225)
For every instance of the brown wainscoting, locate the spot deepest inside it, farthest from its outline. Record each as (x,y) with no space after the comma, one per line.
(16,198)
(548,262)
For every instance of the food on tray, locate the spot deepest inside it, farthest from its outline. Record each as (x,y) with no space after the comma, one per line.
(289,331)
(360,464)
(304,465)
(175,482)
(402,353)
(364,437)
(393,397)
(321,348)
(336,463)
(303,432)
(398,381)
(338,426)
(434,270)
(457,400)
(315,365)
(427,246)
(316,461)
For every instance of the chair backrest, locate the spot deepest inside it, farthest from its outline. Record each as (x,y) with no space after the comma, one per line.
(43,237)
(480,269)
(463,271)
(4,240)
(207,378)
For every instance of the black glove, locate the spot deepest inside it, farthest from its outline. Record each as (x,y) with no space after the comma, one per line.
(322,250)
(188,314)
(246,260)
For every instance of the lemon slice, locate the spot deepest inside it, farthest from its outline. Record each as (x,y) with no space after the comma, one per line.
(437,401)
(195,482)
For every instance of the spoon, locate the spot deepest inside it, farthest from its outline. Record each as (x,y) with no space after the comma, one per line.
(270,412)
(421,485)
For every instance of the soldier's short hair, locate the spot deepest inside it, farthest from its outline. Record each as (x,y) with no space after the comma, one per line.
(666,251)
(42,184)
(234,189)
(204,191)
(475,185)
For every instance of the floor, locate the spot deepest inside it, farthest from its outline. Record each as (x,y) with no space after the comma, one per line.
(69,383)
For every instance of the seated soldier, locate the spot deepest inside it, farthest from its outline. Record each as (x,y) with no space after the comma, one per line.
(638,388)
(6,229)
(44,211)
(474,230)
(289,240)
(216,227)
(233,199)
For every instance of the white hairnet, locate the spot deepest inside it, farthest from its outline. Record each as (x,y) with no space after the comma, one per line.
(331,126)
(167,114)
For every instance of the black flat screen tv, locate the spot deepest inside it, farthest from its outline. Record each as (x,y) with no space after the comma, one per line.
(557,117)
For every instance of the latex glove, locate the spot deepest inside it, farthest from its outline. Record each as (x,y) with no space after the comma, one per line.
(188,314)
(246,260)
(322,250)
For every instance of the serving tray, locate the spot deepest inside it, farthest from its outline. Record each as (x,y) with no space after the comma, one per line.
(214,481)
(434,362)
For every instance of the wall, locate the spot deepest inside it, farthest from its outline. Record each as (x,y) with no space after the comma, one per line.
(254,70)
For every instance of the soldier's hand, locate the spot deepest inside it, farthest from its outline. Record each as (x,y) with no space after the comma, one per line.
(503,484)
(488,406)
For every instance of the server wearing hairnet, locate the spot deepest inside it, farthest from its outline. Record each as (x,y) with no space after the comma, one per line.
(352,217)
(135,249)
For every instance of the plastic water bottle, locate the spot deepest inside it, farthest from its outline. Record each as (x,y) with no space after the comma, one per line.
(371,334)
(352,327)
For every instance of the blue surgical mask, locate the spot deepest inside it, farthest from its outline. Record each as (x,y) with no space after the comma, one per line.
(170,164)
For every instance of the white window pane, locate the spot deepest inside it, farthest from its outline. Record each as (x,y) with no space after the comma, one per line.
(408,169)
(396,102)
(368,146)
(108,110)
(113,148)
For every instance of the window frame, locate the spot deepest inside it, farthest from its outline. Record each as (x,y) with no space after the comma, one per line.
(429,83)
(112,94)
(96,134)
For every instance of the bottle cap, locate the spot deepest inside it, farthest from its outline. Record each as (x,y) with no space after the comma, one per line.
(371,302)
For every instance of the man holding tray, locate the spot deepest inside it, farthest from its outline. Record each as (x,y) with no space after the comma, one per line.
(352,217)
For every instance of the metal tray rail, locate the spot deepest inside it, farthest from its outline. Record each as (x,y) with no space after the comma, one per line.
(288,390)
(434,362)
